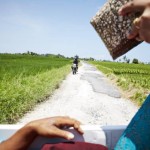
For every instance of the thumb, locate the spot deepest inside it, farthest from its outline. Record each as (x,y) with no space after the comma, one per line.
(131,7)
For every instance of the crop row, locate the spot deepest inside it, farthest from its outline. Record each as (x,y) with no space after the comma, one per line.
(20,65)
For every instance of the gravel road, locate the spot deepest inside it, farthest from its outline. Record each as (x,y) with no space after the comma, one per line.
(87,96)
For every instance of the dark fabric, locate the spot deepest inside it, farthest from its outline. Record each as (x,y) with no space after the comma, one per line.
(75,61)
(74,146)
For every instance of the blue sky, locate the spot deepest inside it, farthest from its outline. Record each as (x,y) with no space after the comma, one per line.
(55,26)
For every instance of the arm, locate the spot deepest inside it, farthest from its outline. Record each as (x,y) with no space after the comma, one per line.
(20,140)
(48,127)
(141,28)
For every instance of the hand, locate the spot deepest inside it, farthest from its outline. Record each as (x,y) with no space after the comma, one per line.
(48,127)
(141,28)
(53,127)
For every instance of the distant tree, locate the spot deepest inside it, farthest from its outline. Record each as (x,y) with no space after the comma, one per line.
(60,56)
(125,58)
(128,61)
(135,61)
(32,53)
(91,59)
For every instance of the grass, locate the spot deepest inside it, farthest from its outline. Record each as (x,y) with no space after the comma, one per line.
(134,79)
(26,81)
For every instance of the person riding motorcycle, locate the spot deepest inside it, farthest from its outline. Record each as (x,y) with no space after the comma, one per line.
(76,61)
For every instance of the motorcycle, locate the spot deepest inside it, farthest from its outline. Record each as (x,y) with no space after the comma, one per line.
(74,68)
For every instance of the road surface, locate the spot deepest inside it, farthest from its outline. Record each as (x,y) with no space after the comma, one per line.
(87,96)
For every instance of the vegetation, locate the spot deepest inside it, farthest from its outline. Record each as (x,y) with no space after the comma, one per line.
(135,61)
(132,78)
(26,80)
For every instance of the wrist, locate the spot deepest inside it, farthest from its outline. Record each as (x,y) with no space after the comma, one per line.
(31,128)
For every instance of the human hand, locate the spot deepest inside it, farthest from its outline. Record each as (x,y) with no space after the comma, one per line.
(53,127)
(141,26)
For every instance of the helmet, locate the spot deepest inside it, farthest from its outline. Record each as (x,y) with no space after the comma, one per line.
(76,57)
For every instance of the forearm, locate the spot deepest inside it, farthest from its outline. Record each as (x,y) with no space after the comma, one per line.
(20,140)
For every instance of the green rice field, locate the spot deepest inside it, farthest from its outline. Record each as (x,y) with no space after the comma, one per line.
(26,80)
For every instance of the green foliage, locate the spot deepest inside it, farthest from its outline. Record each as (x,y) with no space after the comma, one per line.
(135,75)
(135,61)
(26,80)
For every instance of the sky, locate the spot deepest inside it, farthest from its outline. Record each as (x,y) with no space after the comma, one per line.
(56,27)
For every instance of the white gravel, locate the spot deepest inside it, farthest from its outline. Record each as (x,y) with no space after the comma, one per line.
(76,98)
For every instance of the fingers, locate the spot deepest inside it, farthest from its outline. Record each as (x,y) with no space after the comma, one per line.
(144,31)
(59,123)
(137,23)
(56,132)
(134,6)
(127,8)
(78,127)
(52,127)
(70,122)
(138,38)
(132,33)
(140,29)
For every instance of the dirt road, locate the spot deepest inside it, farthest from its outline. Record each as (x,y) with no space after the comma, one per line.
(87,96)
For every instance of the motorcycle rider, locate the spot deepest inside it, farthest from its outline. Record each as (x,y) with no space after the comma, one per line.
(76,61)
